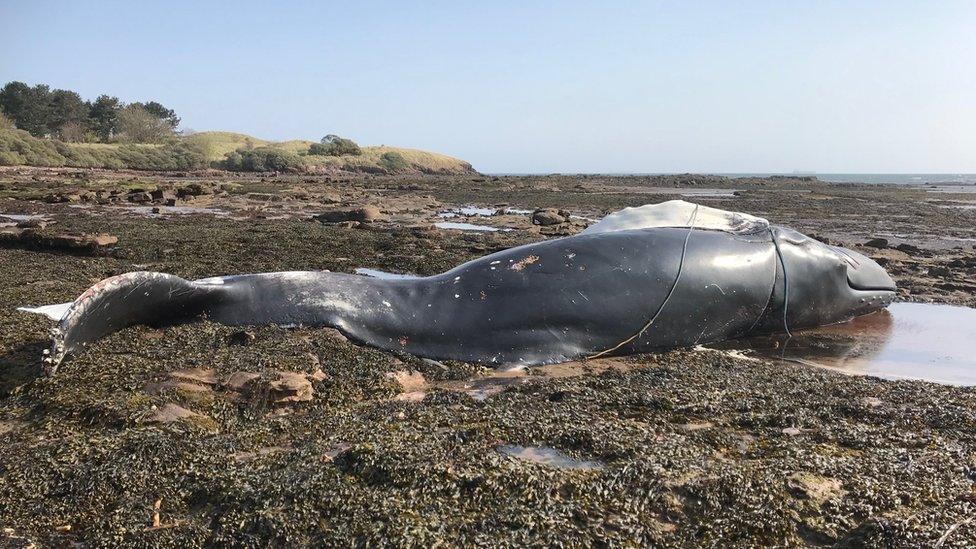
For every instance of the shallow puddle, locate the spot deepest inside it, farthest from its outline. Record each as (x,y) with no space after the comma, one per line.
(548,456)
(924,341)
(469,211)
(12,220)
(174,210)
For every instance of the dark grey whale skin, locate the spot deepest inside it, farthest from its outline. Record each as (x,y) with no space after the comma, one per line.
(541,303)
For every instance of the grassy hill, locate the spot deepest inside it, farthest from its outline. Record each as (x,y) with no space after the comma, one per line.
(209,149)
(217,144)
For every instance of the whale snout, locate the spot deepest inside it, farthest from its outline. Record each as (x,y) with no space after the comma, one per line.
(864,273)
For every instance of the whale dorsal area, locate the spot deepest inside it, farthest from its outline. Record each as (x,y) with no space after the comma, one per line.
(678,213)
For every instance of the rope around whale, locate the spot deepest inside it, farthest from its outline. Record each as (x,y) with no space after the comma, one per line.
(677,277)
(786,282)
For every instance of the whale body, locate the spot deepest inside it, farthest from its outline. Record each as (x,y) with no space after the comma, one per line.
(655,277)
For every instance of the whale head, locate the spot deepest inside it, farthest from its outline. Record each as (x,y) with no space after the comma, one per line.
(829,284)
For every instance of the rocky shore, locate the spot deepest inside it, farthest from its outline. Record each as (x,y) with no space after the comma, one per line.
(209,435)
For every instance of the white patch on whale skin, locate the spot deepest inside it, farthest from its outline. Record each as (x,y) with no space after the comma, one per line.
(374,273)
(54,312)
(678,213)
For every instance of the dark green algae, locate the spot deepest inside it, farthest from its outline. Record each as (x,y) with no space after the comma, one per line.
(699,448)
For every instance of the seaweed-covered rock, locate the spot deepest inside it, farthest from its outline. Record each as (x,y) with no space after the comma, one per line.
(362,214)
(549,216)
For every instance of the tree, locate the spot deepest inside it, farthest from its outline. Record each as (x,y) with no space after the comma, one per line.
(28,107)
(161,112)
(333,145)
(67,115)
(137,125)
(104,116)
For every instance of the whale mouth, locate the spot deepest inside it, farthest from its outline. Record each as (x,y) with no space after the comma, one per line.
(863,273)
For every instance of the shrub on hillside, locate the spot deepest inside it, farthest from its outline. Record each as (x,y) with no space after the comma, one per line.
(171,156)
(262,159)
(333,145)
(19,148)
(394,162)
(6,123)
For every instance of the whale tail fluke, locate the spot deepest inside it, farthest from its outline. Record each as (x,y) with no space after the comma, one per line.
(126,300)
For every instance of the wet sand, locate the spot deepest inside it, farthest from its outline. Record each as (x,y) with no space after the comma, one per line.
(204,434)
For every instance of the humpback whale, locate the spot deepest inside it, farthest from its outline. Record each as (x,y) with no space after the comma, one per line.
(659,276)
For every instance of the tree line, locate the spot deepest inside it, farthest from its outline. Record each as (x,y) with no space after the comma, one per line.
(64,115)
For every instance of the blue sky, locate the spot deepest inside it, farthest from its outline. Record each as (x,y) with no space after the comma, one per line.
(540,86)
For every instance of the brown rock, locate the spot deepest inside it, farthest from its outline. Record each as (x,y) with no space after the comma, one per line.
(196,375)
(814,487)
(140,197)
(291,387)
(240,381)
(549,216)
(40,239)
(409,381)
(193,189)
(241,337)
(318,375)
(56,198)
(908,248)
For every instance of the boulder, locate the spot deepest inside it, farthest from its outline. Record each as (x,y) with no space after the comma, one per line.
(140,197)
(877,243)
(362,214)
(908,248)
(240,381)
(193,189)
(549,216)
(290,387)
(40,239)
(241,337)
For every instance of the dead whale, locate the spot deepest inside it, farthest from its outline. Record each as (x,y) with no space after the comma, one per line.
(659,276)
